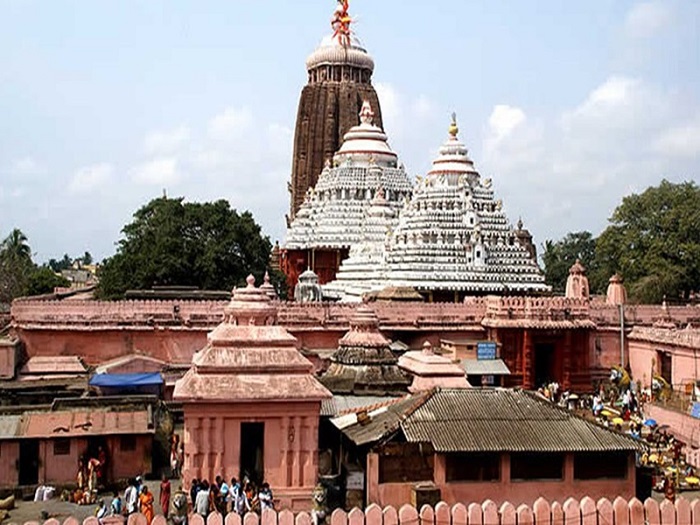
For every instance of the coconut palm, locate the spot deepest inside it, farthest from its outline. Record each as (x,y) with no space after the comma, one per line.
(16,246)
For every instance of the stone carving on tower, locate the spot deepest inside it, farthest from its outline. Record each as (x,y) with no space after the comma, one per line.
(452,238)
(339,81)
(358,194)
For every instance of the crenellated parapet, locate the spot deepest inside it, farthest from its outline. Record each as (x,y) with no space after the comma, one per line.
(92,314)
(537,312)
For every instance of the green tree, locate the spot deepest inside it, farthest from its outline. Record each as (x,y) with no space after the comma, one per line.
(170,242)
(15,266)
(654,241)
(559,256)
(43,280)
(16,246)
(86,258)
(64,264)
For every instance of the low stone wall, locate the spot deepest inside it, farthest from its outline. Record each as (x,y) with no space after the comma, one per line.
(571,512)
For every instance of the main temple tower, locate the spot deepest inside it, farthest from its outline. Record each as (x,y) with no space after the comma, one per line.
(339,81)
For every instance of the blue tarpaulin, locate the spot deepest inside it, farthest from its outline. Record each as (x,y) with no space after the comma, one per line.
(126,380)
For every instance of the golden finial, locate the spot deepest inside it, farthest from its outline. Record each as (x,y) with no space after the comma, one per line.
(453,126)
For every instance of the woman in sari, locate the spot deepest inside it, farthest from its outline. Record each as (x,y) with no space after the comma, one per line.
(146,501)
(165,495)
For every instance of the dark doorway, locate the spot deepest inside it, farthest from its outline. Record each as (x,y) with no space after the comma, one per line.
(544,364)
(666,366)
(252,449)
(28,462)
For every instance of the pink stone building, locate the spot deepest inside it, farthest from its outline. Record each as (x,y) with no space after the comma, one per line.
(252,403)
(45,447)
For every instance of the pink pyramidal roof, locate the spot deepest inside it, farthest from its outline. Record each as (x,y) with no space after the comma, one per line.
(250,358)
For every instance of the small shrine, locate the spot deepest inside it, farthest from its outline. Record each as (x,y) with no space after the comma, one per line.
(364,364)
(616,293)
(252,403)
(577,282)
(430,370)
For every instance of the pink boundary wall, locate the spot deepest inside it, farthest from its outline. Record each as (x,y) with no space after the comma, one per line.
(571,512)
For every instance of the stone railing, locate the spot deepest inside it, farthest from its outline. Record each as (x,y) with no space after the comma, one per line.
(38,312)
(571,512)
(128,312)
(536,307)
(644,314)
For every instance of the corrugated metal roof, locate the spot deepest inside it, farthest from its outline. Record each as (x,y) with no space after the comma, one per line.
(494,367)
(486,420)
(54,365)
(382,421)
(9,426)
(501,420)
(340,404)
(68,423)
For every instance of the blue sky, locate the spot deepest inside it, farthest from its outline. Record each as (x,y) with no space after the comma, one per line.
(567,106)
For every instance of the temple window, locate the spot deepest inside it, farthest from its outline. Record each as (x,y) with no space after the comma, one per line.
(127,443)
(61,447)
(393,467)
(599,465)
(473,467)
(536,466)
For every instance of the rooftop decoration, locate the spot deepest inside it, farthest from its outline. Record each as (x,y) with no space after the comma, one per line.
(341,22)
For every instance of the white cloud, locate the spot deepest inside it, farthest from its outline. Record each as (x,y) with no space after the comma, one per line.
(616,92)
(26,166)
(231,124)
(89,178)
(166,142)
(681,141)
(647,19)
(568,172)
(159,171)
(504,119)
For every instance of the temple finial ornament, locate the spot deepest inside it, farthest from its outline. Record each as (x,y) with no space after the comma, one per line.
(341,23)
(454,130)
(366,113)
(251,281)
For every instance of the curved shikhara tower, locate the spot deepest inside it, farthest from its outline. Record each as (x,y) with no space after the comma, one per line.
(338,211)
(339,81)
(452,239)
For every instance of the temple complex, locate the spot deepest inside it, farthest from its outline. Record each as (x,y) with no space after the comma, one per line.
(452,240)
(335,212)
(252,403)
(339,81)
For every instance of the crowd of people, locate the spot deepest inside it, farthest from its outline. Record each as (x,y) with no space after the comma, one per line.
(238,496)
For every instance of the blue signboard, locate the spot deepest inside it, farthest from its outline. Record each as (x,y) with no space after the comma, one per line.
(486,350)
(695,411)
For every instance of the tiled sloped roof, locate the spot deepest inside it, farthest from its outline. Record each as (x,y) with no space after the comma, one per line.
(339,404)
(501,420)
(9,426)
(54,365)
(82,423)
(382,422)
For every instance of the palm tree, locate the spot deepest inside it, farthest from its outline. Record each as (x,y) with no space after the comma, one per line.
(16,247)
